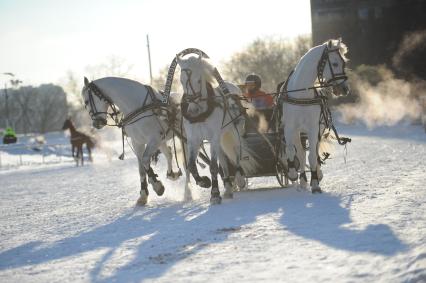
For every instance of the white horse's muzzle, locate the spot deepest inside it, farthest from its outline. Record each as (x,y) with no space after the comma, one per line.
(99,122)
(342,89)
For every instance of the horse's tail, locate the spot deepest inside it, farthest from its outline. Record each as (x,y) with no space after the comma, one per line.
(238,151)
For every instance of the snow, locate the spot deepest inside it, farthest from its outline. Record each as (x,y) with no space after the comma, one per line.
(61,223)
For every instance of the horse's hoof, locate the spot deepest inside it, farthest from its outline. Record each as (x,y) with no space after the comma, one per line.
(316,190)
(303,180)
(292,178)
(158,188)
(292,175)
(174,175)
(240,180)
(204,182)
(228,195)
(320,175)
(215,200)
(142,200)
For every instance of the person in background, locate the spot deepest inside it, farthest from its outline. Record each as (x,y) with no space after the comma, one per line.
(9,136)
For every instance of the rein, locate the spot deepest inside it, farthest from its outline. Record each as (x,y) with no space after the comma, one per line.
(225,93)
(94,90)
(323,83)
(319,99)
(133,116)
(211,103)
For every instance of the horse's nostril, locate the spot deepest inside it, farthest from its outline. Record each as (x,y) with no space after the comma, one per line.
(99,123)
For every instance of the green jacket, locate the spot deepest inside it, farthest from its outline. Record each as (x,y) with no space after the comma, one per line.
(10,132)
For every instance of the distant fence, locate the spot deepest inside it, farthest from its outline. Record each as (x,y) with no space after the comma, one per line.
(20,154)
(16,155)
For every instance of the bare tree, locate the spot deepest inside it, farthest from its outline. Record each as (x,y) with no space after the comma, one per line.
(51,108)
(73,85)
(24,98)
(113,66)
(159,80)
(272,59)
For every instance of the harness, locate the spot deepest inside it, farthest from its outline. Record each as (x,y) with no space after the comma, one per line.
(210,100)
(156,106)
(320,98)
(323,83)
(93,90)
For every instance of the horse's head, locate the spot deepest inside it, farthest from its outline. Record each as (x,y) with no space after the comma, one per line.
(195,73)
(67,124)
(96,105)
(332,67)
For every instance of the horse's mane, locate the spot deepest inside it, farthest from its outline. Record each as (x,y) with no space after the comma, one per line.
(338,44)
(203,66)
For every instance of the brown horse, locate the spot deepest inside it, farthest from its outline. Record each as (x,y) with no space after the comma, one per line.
(78,139)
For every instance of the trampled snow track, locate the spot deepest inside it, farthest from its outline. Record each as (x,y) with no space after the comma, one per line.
(68,224)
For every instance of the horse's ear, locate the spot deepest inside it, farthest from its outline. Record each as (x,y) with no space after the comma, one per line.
(178,59)
(86,81)
(200,55)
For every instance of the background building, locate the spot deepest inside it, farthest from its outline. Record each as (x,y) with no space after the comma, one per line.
(373,29)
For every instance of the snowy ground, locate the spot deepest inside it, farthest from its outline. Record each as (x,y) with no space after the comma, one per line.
(61,223)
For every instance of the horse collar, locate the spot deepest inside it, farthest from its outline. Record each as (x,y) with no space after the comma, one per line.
(202,116)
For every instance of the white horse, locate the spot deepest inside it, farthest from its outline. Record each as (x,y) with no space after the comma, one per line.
(143,121)
(211,115)
(322,66)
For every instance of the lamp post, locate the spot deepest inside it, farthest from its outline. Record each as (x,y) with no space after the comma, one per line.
(149,58)
(14,82)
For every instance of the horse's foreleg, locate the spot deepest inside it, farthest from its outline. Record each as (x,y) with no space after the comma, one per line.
(75,155)
(78,156)
(80,149)
(301,155)
(187,193)
(214,170)
(169,157)
(292,160)
(143,198)
(227,183)
(202,181)
(89,150)
(187,196)
(240,178)
(150,149)
(313,159)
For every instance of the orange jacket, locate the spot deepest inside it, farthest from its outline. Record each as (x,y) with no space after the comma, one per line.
(260,99)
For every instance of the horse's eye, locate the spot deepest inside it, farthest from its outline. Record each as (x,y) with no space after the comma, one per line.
(86,102)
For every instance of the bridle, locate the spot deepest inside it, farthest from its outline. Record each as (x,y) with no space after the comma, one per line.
(122,121)
(324,60)
(92,91)
(196,95)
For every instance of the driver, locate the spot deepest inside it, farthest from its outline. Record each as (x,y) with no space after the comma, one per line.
(259,99)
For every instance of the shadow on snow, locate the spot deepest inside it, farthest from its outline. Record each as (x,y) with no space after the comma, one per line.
(166,234)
